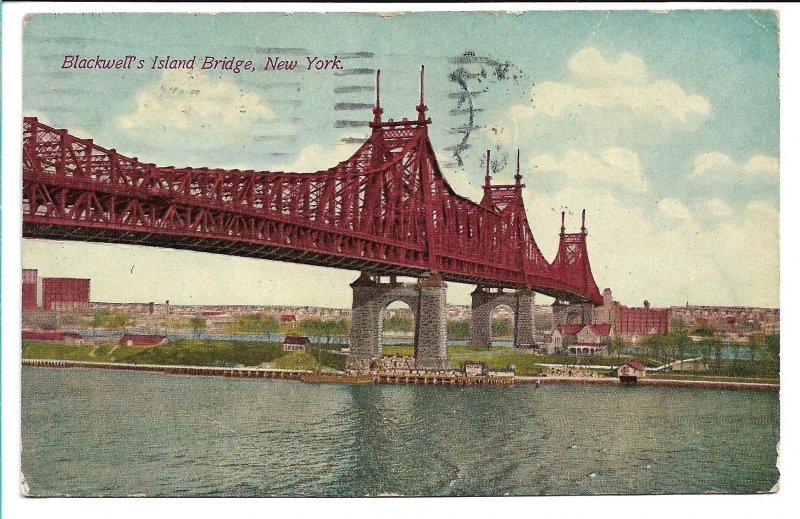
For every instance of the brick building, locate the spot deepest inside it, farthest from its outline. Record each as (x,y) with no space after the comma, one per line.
(65,294)
(632,324)
(30,291)
(642,321)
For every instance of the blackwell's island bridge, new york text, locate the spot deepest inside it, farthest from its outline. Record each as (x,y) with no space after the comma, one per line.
(387,211)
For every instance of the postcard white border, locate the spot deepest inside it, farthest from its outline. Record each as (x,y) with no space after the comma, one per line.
(14,505)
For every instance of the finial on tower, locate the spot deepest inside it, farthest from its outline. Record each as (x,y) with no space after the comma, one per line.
(421,108)
(562,222)
(488,179)
(377,110)
(518,176)
(583,221)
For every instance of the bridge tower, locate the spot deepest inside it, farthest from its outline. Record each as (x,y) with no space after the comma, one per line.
(426,297)
(485,300)
(507,201)
(427,300)
(572,257)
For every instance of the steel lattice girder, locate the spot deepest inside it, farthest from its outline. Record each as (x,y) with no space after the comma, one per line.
(387,209)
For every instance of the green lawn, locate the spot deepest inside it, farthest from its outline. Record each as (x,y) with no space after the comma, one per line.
(182,352)
(296,360)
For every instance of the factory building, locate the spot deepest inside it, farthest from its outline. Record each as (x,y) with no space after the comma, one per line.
(30,290)
(65,294)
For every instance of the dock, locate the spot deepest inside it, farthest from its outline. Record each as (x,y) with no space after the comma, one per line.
(441,378)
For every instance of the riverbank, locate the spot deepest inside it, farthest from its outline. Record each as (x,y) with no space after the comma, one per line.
(434,379)
(660,382)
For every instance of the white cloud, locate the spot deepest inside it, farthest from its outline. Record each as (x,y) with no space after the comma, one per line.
(192,104)
(590,65)
(621,90)
(316,157)
(721,165)
(665,256)
(674,208)
(717,207)
(616,165)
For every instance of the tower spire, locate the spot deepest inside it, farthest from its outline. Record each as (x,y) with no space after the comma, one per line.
(377,110)
(488,179)
(562,222)
(421,108)
(583,221)
(518,176)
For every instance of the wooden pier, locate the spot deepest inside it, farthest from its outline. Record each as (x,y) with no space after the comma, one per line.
(172,370)
(441,378)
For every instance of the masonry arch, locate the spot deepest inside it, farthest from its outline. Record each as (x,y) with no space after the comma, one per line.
(574,317)
(502,321)
(519,308)
(398,320)
(372,298)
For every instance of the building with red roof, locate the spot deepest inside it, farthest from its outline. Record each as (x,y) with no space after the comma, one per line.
(580,339)
(631,371)
(296,343)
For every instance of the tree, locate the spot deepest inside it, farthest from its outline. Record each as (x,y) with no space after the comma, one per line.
(754,342)
(679,337)
(737,347)
(656,345)
(716,345)
(458,329)
(198,325)
(615,346)
(773,343)
(255,323)
(112,320)
(706,348)
(501,327)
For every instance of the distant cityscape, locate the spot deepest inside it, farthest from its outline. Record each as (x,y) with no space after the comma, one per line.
(63,300)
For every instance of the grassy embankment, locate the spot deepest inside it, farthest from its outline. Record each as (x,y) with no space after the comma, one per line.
(186,353)
(527,364)
(232,353)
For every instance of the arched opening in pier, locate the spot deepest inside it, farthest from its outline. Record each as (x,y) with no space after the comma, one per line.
(398,327)
(574,317)
(502,320)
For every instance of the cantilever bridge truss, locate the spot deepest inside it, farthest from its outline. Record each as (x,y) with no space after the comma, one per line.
(387,210)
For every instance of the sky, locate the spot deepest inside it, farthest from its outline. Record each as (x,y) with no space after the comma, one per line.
(663,126)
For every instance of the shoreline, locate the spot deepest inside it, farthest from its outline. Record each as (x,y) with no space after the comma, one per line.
(659,382)
(338,378)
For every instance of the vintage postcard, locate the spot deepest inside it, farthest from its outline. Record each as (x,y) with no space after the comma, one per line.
(400,254)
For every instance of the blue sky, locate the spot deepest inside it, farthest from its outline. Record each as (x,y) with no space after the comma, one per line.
(664,126)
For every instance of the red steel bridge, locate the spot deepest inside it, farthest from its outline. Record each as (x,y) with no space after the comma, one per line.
(387,210)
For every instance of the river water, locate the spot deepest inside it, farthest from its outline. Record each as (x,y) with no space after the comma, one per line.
(115,433)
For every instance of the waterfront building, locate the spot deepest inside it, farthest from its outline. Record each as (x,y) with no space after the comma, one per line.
(631,371)
(473,368)
(296,343)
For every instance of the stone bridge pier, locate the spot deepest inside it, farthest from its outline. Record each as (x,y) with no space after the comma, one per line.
(426,298)
(572,313)
(485,300)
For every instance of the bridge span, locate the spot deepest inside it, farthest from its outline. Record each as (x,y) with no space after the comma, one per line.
(387,211)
